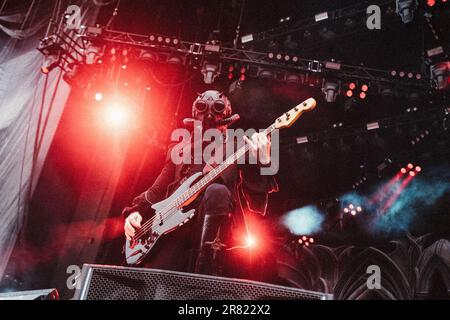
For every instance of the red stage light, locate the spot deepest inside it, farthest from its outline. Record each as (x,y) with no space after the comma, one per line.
(124,66)
(230,68)
(242,77)
(230,76)
(98,96)
(304,238)
(410,166)
(311,240)
(358,208)
(403,170)
(364,87)
(431,2)
(116,115)
(349,93)
(353,213)
(352,85)
(250,241)
(306,243)
(243,70)
(362,95)
(418,169)
(300,241)
(412,173)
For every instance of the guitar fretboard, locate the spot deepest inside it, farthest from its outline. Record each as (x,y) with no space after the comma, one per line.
(216,172)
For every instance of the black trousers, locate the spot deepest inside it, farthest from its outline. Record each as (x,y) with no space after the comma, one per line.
(200,245)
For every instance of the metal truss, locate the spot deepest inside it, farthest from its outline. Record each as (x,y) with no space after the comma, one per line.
(72,46)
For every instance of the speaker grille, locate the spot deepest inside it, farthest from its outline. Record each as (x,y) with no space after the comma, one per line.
(121,283)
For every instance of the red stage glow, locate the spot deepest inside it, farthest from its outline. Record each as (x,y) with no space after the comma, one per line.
(432,2)
(250,241)
(349,93)
(352,85)
(418,169)
(397,193)
(116,115)
(403,170)
(364,87)
(412,173)
(362,95)
(410,166)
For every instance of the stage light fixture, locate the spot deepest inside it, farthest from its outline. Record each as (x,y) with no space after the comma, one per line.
(305,241)
(362,95)
(440,75)
(331,90)
(210,71)
(405,9)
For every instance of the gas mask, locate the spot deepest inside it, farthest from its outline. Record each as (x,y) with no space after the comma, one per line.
(211,108)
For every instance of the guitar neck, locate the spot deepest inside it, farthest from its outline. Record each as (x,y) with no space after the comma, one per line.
(216,172)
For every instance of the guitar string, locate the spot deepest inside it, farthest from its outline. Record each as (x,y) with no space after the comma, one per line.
(167,213)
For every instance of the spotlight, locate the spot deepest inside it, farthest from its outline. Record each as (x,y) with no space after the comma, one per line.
(412,173)
(440,75)
(50,63)
(349,93)
(362,95)
(403,170)
(405,9)
(210,71)
(418,169)
(250,241)
(431,3)
(410,166)
(364,88)
(305,241)
(331,90)
(98,96)
(353,209)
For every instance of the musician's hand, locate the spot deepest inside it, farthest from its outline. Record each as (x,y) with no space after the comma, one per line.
(132,222)
(259,147)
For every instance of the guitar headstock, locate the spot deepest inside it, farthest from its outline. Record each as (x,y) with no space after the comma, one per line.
(288,118)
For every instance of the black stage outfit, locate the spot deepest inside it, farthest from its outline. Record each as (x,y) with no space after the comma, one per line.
(200,245)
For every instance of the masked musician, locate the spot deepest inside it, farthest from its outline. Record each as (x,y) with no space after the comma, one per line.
(201,245)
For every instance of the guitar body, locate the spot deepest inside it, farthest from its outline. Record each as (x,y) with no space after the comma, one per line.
(166,219)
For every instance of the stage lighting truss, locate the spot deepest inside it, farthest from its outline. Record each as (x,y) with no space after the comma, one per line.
(71,48)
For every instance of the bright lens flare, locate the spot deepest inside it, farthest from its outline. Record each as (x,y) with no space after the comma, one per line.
(250,241)
(116,115)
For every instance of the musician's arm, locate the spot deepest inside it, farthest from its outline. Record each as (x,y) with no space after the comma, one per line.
(155,193)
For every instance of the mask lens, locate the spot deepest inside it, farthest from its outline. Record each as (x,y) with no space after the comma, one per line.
(201,106)
(219,107)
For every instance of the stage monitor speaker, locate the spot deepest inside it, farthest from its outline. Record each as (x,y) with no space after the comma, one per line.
(99,282)
(46,294)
